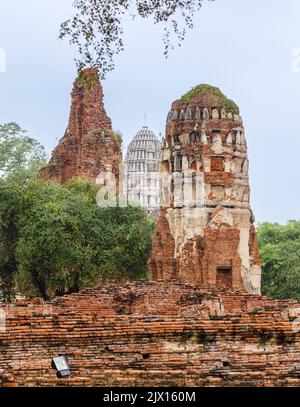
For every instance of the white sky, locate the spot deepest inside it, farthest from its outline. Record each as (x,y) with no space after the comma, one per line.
(243,47)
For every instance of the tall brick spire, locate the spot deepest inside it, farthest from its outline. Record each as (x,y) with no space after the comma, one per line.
(205,233)
(88,146)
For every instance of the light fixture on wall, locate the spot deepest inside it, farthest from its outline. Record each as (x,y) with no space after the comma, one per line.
(60,363)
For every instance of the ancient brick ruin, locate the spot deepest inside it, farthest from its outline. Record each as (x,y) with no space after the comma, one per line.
(205,233)
(209,327)
(89,145)
(152,334)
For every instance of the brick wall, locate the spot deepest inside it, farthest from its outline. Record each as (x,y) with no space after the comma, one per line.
(157,333)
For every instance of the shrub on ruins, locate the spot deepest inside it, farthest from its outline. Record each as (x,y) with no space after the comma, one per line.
(58,240)
(280,253)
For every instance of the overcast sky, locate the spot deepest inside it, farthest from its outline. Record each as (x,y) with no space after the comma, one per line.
(243,47)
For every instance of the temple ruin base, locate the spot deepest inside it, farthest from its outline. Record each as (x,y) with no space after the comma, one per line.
(152,334)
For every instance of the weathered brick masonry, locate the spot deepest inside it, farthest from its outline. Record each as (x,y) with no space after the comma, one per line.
(205,233)
(210,333)
(89,145)
(155,333)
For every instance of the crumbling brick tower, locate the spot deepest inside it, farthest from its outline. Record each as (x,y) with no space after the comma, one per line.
(89,145)
(205,233)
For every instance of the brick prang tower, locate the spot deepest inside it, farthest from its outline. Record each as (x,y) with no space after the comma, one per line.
(89,145)
(206,234)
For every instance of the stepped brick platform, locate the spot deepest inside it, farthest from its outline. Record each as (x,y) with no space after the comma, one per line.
(152,334)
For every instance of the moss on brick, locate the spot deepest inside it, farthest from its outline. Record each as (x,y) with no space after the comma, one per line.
(210,91)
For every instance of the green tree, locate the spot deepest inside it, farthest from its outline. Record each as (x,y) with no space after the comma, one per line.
(20,158)
(20,155)
(52,252)
(9,212)
(59,240)
(97,31)
(280,253)
(123,236)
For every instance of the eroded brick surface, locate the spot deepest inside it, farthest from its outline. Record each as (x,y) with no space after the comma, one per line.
(89,146)
(205,233)
(158,333)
